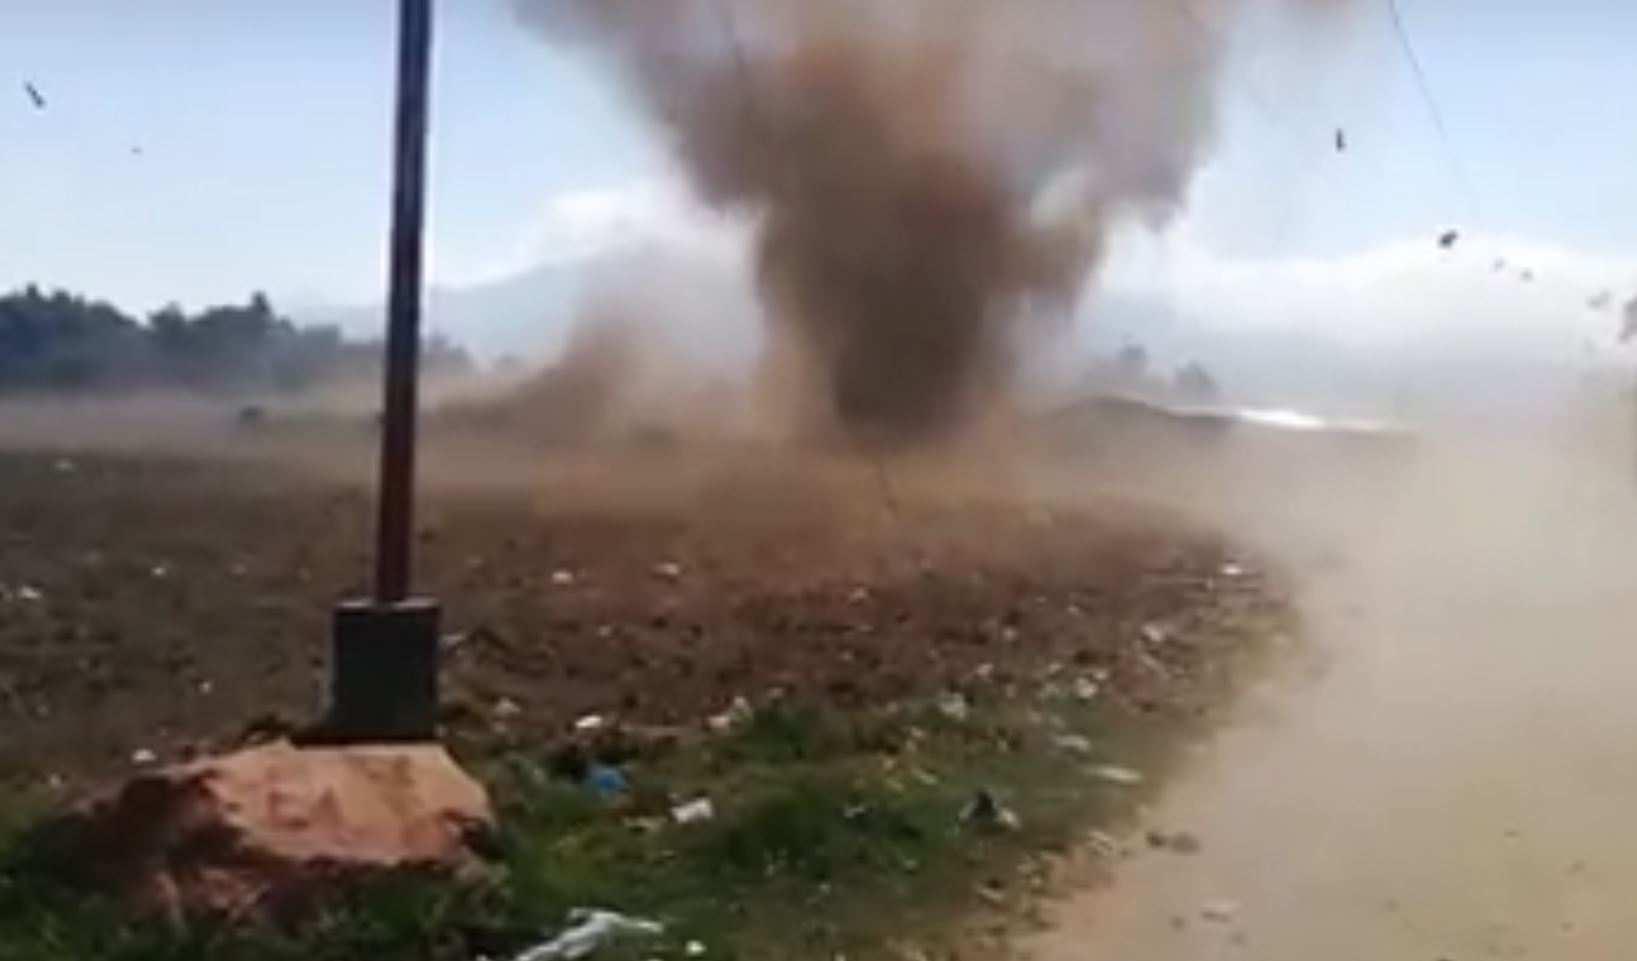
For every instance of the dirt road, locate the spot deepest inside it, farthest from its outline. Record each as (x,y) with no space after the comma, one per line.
(1459,781)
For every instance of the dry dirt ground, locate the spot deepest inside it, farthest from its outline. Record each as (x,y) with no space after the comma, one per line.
(152,607)
(1458,780)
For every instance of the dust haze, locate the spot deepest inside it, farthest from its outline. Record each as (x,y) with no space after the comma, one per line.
(932,181)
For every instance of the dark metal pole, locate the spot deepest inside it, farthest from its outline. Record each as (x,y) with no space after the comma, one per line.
(395,521)
(384,666)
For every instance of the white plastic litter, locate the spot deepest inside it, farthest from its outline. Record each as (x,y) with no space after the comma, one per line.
(1072,743)
(985,811)
(694,812)
(737,713)
(1114,774)
(588,931)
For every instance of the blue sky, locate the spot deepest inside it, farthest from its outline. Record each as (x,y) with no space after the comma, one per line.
(262,131)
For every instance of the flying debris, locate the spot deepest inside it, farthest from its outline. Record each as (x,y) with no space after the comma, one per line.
(34,95)
(1341,140)
(1448,239)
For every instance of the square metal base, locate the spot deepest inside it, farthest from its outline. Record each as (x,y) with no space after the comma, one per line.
(383,674)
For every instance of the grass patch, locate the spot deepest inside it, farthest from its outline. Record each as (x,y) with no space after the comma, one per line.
(833,835)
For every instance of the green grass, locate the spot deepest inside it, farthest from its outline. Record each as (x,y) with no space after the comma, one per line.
(834,835)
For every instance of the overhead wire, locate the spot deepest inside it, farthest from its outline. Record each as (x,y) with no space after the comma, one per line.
(1429,101)
(1289,136)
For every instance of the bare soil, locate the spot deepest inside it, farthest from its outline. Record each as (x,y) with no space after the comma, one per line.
(164,604)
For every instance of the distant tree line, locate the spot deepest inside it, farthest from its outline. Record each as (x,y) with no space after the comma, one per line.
(59,342)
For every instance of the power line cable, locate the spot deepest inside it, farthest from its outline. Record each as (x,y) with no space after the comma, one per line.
(1430,101)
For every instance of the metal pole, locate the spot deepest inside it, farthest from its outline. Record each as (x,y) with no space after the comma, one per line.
(395,520)
(384,651)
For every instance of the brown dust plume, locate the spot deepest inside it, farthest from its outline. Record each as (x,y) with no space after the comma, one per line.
(932,180)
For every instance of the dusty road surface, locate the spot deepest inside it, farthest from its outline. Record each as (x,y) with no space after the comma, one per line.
(1459,778)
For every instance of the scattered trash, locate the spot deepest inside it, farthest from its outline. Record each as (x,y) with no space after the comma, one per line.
(1155,634)
(588,931)
(986,812)
(697,811)
(694,949)
(590,724)
(984,672)
(562,578)
(1219,912)
(1449,238)
(506,708)
(737,714)
(1231,569)
(1179,842)
(266,728)
(992,894)
(28,594)
(1104,845)
(605,781)
(1073,743)
(668,570)
(142,757)
(954,706)
(1085,689)
(1114,774)
(34,95)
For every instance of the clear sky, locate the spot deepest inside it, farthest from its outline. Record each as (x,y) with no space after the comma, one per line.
(263,136)
(194,150)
